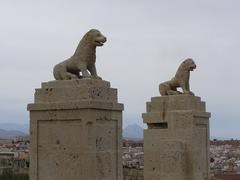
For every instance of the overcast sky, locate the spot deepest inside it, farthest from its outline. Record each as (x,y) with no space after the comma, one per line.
(147,40)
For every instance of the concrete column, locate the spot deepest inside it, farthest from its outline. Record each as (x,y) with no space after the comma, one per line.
(176,142)
(76,131)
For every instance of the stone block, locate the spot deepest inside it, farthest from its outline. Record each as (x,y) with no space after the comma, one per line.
(76,131)
(178,131)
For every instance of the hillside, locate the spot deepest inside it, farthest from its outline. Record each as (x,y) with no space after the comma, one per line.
(4,134)
(133,131)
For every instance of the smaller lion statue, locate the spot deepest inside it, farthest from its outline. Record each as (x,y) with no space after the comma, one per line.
(83,60)
(181,80)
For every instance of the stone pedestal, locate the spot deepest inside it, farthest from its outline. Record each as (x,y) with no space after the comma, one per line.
(176,142)
(76,131)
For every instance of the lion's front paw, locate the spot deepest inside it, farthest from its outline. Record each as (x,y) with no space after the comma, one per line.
(69,76)
(87,77)
(74,77)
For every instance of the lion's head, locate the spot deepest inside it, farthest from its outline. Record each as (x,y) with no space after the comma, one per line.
(94,37)
(188,65)
(185,68)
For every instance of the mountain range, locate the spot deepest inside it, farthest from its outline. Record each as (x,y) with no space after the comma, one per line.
(133,131)
(11,130)
(4,134)
(15,127)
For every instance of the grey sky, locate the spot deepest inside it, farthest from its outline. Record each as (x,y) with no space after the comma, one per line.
(147,40)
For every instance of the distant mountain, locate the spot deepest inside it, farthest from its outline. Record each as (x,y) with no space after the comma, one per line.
(15,127)
(133,131)
(4,134)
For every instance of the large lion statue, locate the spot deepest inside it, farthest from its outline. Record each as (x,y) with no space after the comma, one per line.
(83,60)
(181,80)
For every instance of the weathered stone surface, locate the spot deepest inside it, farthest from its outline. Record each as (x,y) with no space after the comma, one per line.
(83,60)
(176,143)
(76,131)
(181,79)
(75,91)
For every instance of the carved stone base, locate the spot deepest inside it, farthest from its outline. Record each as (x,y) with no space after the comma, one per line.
(76,131)
(176,143)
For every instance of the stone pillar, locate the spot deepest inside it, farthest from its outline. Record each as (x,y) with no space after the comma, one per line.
(176,142)
(76,131)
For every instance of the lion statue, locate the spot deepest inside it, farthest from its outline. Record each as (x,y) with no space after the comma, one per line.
(181,80)
(83,60)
